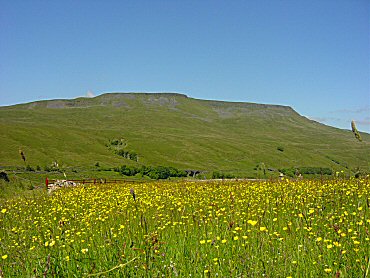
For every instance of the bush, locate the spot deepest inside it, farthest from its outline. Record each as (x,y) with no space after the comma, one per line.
(291,172)
(220,175)
(159,172)
(127,154)
(115,142)
(133,156)
(129,170)
(29,168)
(315,171)
(122,153)
(4,176)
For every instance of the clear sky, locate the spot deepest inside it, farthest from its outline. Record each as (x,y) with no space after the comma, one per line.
(311,55)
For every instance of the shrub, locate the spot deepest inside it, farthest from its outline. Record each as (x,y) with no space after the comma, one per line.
(220,175)
(291,172)
(128,170)
(127,154)
(159,172)
(133,156)
(4,176)
(114,142)
(29,168)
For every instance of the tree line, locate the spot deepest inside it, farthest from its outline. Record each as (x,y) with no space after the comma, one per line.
(153,172)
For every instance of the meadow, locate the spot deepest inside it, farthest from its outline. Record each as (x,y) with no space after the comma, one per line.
(281,228)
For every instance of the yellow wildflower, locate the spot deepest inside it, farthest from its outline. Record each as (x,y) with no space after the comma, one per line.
(252,222)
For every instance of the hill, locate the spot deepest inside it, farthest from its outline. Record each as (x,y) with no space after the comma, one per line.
(174,130)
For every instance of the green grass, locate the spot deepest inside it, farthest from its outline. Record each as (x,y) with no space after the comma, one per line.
(173,130)
(215,229)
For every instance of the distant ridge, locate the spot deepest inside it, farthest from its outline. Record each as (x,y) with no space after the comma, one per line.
(175,130)
(109,98)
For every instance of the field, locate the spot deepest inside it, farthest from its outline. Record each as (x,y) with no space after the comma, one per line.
(282,228)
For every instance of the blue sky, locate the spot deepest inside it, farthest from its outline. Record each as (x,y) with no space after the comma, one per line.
(311,55)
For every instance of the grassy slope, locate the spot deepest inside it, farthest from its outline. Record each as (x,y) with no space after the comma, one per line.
(169,129)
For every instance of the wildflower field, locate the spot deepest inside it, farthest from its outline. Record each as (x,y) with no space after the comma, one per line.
(283,228)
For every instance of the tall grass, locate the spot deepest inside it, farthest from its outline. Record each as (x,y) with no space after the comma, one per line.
(182,229)
(16,187)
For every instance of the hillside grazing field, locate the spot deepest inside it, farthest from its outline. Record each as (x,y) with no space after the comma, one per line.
(174,130)
(190,229)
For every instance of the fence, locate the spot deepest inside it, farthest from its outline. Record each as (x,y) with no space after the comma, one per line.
(90,181)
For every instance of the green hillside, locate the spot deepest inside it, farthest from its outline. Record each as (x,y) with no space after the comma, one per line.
(173,130)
